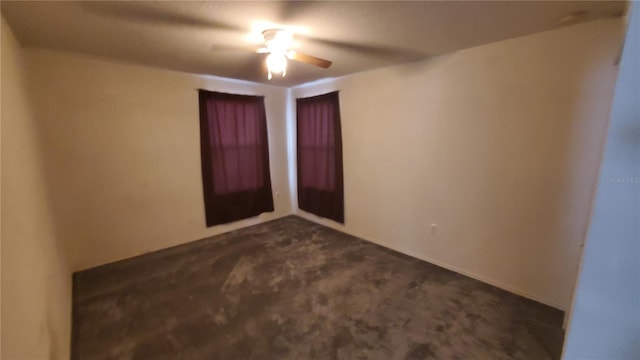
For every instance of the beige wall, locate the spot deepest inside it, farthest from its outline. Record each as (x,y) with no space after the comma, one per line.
(123,153)
(498,145)
(36,282)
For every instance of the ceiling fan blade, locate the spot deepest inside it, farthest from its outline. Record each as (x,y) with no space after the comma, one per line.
(227,47)
(147,13)
(371,50)
(308,59)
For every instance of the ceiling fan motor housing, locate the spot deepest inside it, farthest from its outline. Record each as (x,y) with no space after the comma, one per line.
(277,40)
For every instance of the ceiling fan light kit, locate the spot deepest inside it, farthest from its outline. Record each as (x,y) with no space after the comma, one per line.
(276,64)
(277,44)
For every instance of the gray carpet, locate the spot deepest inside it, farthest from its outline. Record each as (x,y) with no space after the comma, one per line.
(291,289)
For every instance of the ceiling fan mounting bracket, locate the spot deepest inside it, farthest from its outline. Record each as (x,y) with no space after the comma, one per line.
(270,34)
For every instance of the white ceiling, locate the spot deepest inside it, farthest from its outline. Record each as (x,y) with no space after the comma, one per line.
(211,37)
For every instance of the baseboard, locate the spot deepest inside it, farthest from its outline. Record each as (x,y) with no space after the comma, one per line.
(342,228)
(221,229)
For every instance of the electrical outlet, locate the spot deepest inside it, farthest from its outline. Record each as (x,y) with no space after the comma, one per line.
(434,229)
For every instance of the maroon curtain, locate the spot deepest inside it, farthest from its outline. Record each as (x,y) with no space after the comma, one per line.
(235,157)
(320,183)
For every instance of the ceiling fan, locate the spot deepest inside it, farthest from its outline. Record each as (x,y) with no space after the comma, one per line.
(277,41)
(278,45)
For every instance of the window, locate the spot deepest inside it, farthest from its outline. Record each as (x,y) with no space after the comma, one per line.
(235,157)
(320,183)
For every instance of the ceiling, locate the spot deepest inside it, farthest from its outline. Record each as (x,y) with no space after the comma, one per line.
(213,37)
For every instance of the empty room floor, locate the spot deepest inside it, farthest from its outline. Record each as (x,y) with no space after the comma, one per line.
(292,289)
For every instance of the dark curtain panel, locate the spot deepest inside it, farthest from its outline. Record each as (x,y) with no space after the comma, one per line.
(235,157)
(320,183)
